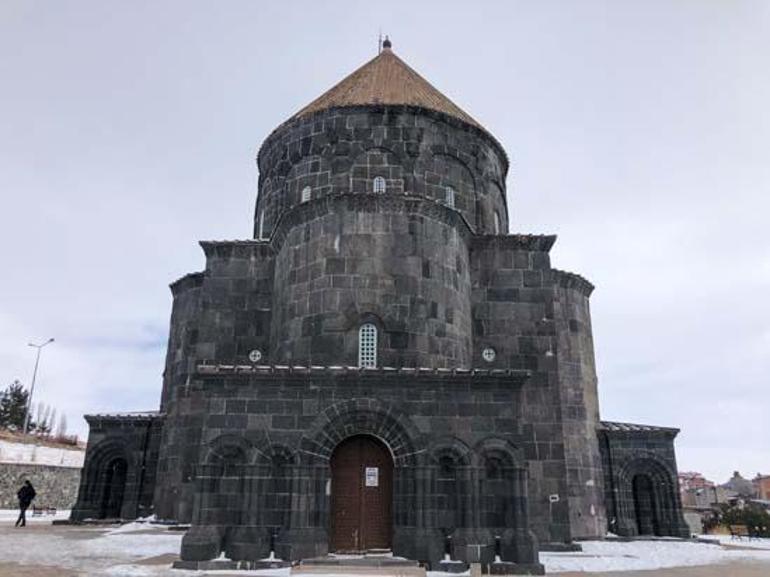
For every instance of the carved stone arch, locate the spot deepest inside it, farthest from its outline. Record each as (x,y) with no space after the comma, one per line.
(107,456)
(104,452)
(499,448)
(378,161)
(463,164)
(657,510)
(492,201)
(502,483)
(229,448)
(380,148)
(648,463)
(362,417)
(450,447)
(109,447)
(355,314)
(493,185)
(278,452)
(302,175)
(451,487)
(442,169)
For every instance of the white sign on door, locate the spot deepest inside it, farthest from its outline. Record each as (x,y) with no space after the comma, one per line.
(372,477)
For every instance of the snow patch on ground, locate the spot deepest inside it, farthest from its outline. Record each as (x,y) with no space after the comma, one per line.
(742,542)
(31,454)
(141,524)
(127,551)
(640,555)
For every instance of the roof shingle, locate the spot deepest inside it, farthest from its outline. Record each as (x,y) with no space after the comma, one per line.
(386,80)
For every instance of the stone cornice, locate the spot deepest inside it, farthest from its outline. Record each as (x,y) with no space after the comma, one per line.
(236,248)
(571,280)
(188,281)
(141,416)
(531,242)
(367,202)
(615,429)
(271,371)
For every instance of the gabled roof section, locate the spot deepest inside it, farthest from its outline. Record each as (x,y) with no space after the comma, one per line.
(386,80)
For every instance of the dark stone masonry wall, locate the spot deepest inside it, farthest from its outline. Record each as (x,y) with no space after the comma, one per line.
(398,262)
(417,151)
(268,435)
(55,486)
(537,318)
(579,404)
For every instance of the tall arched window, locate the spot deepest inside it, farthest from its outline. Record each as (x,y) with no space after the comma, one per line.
(306,194)
(261,226)
(367,346)
(497,222)
(450,197)
(379,184)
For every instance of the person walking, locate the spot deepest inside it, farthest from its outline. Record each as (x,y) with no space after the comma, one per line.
(25,495)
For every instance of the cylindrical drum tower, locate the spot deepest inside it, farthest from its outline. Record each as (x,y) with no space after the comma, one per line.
(370,195)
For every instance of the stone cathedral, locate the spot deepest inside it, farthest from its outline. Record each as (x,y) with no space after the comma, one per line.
(383,366)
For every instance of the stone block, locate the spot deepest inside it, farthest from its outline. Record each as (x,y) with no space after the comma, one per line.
(202,543)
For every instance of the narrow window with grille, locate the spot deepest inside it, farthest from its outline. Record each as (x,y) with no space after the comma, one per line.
(379,184)
(450,197)
(307,192)
(261,226)
(367,346)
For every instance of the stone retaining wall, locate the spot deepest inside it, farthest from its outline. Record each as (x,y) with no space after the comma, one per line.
(55,486)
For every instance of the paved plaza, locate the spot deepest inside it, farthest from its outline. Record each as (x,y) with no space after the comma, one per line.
(144,550)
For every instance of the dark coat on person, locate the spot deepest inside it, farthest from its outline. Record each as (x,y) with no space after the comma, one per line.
(26,494)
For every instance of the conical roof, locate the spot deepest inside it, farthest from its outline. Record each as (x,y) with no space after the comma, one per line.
(386,79)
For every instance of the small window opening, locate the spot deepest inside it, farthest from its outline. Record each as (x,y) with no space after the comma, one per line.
(450,197)
(307,192)
(446,467)
(497,222)
(261,235)
(379,184)
(367,346)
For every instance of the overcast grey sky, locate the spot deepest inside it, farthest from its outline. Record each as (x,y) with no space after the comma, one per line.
(639,132)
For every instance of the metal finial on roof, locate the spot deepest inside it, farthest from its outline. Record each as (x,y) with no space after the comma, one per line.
(386,44)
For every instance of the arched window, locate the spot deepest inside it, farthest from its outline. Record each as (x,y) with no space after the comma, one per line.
(306,194)
(367,346)
(497,222)
(261,226)
(379,184)
(450,197)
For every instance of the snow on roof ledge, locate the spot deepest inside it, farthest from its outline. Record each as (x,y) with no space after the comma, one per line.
(128,416)
(615,427)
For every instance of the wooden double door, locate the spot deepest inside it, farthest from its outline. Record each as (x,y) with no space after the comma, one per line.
(361,495)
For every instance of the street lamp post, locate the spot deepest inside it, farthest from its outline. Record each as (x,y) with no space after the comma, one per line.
(32,388)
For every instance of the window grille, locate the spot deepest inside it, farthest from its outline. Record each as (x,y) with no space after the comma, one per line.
(367,346)
(261,226)
(450,197)
(379,184)
(306,194)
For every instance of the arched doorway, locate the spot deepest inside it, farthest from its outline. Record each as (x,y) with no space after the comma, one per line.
(644,506)
(114,487)
(361,495)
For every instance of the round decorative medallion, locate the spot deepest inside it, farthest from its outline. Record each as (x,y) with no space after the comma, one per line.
(255,356)
(488,354)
